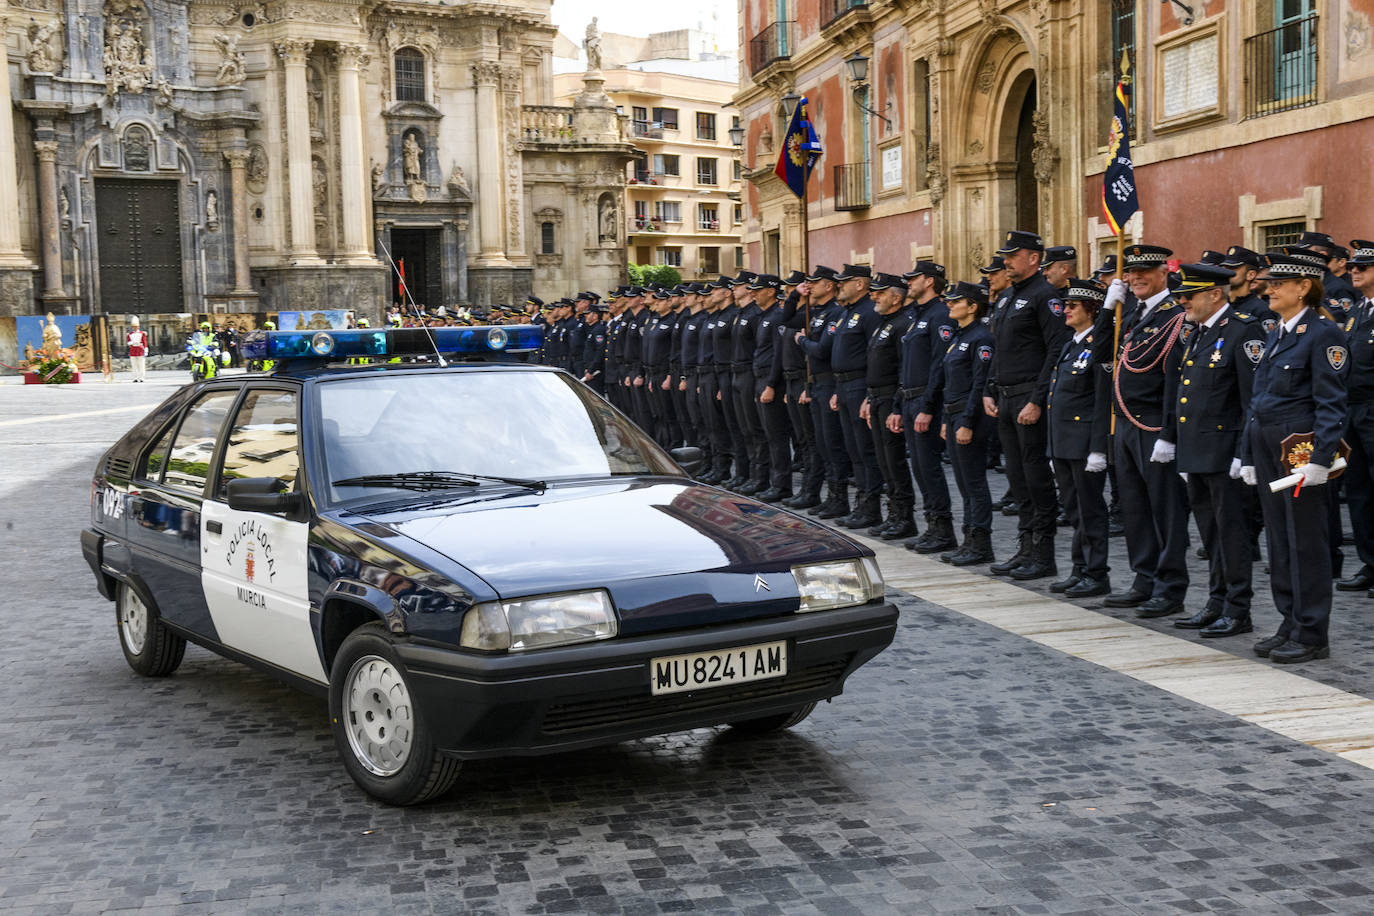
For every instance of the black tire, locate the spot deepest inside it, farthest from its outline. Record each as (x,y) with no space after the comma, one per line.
(773,723)
(367,663)
(150,648)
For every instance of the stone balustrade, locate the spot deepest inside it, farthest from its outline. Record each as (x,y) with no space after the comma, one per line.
(546,123)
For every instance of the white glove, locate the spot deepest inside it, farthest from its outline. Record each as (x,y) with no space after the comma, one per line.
(1163,452)
(1116,292)
(1235,469)
(1247,474)
(1097,463)
(1314,475)
(1183,475)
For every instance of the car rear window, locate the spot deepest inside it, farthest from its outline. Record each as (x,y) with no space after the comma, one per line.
(189,462)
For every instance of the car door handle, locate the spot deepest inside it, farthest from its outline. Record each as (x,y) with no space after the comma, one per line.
(214,527)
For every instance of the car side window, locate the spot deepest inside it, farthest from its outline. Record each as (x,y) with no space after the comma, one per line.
(156,460)
(263,441)
(188,463)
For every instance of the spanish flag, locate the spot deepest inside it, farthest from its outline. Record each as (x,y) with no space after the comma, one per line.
(800,150)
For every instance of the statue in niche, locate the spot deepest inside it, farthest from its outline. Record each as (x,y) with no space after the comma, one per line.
(313,99)
(257,165)
(378,176)
(231,69)
(320,182)
(64,206)
(608,227)
(211,210)
(44,53)
(593,46)
(411,151)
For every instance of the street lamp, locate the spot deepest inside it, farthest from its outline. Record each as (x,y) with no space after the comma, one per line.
(789,103)
(858,73)
(737,136)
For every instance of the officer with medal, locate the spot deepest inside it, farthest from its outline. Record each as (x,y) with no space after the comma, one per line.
(776,452)
(918,417)
(791,375)
(889,293)
(1145,381)
(1359,426)
(1079,426)
(1030,333)
(958,382)
(849,359)
(1299,387)
(817,342)
(593,359)
(1219,360)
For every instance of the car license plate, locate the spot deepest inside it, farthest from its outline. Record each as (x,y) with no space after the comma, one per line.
(702,670)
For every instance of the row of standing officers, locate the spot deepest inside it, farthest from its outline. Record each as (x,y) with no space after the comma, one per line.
(870,379)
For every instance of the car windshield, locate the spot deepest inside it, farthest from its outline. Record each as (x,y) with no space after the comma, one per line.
(538,426)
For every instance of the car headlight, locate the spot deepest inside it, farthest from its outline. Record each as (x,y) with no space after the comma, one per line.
(536,623)
(842,583)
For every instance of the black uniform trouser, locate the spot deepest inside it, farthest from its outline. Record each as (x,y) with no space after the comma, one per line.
(829,435)
(1298,532)
(970,463)
(1154,509)
(750,426)
(777,434)
(927,450)
(808,446)
(689,407)
(725,385)
(597,384)
(639,405)
(656,399)
(1085,503)
(1026,459)
(1218,504)
(890,449)
(1359,479)
(858,441)
(713,420)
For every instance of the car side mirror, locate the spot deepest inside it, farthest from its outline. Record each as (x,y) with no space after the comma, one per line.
(689,458)
(262,494)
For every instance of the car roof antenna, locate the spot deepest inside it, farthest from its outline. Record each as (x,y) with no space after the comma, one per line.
(405,287)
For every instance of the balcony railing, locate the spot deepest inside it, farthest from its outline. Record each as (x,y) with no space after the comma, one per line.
(774,43)
(853,189)
(651,130)
(645,224)
(1281,68)
(708,225)
(546,123)
(834,9)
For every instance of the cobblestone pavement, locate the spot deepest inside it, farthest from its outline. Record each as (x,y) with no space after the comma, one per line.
(965,770)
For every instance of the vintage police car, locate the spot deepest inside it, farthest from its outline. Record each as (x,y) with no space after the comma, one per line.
(470,560)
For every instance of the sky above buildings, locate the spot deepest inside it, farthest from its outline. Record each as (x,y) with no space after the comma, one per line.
(636,17)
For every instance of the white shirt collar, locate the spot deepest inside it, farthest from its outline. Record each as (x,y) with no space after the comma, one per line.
(1292,323)
(1156,299)
(1217,316)
(1078,338)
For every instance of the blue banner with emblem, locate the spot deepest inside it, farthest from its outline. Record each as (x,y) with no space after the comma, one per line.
(800,150)
(1119,200)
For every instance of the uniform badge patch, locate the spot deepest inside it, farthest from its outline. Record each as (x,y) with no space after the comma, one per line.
(985,353)
(1057,306)
(1269,324)
(1302,329)
(853,321)
(1336,357)
(1254,349)
(1185,332)
(945,332)
(1020,304)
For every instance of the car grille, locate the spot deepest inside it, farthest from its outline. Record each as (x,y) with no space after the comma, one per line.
(118,467)
(620,711)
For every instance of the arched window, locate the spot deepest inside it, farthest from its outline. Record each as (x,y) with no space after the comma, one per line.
(546,239)
(410,75)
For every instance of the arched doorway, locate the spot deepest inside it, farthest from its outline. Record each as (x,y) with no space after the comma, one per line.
(1027,190)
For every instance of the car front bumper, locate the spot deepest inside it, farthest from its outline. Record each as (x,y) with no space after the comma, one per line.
(599,693)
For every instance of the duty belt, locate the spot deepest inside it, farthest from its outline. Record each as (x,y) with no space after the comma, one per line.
(740,367)
(763,371)
(823,378)
(910,393)
(850,376)
(793,374)
(954,408)
(882,391)
(1012,391)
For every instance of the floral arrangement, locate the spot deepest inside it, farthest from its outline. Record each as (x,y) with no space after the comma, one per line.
(54,368)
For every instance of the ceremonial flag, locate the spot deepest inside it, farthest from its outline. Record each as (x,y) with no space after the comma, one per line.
(800,150)
(401,279)
(1119,201)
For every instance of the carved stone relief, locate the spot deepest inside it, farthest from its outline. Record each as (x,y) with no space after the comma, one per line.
(127,59)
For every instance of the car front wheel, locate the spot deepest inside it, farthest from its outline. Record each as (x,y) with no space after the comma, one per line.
(384,743)
(150,648)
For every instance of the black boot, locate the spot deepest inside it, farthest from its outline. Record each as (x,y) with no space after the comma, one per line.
(957,549)
(1041,562)
(840,507)
(885,523)
(805,499)
(1023,553)
(977,550)
(939,536)
(867,512)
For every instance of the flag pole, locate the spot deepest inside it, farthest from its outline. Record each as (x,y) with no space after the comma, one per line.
(1120,251)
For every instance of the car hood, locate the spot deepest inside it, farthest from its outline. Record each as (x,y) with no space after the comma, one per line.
(672,553)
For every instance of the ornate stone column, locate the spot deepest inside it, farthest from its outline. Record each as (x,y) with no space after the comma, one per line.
(47,218)
(10,253)
(354,180)
(486,75)
(238,192)
(294,53)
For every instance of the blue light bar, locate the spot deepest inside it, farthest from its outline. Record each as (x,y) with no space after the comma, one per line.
(390,342)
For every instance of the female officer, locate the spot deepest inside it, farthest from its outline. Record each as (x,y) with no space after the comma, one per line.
(1299,387)
(1080,397)
(960,381)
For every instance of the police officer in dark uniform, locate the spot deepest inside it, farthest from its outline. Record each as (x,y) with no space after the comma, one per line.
(849,360)
(658,332)
(1153,502)
(889,292)
(690,324)
(1246,265)
(1359,426)
(791,374)
(577,332)
(818,344)
(1340,292)
(725,381)
(1029,332)
(742,342)
(638,316)
(1299,387)
(959,382)
(1060,264)
(1079,427)
(615,351)
(1219,359)
(722,449)
(917,416)
(593,360)
(768,393)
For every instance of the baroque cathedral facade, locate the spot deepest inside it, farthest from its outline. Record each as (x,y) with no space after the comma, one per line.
(188,156)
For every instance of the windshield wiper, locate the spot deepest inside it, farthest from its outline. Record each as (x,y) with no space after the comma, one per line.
(432,480)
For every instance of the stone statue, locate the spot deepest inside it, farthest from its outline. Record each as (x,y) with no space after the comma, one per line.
(320,182)
(231,72)
(458,181)
(593,46)
(165,94)
(378,176)
(52,336)
(411,151)
(64,205)
(211,209)
(128,64)
(257,165)
(608,233)
(42,57)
